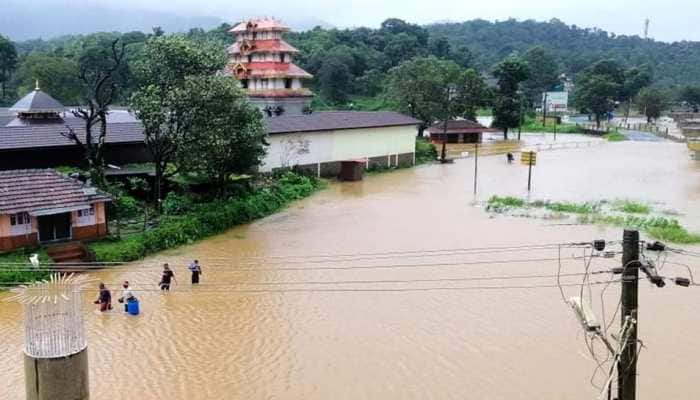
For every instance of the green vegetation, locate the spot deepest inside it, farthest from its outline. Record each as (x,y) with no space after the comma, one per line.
(501,204)
(615,137)
(20,260)
(624,213)
(425,151)
(206,219)
(535,126)
(631,207)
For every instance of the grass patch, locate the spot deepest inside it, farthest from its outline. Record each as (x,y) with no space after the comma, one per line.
(615,137)
(535,126)
(206,219)
(633,215)
(500,204)
(631,207)
(573,208)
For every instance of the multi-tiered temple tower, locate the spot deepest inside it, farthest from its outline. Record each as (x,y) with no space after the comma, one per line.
(262,61)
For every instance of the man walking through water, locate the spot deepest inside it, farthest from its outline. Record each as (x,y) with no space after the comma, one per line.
(196,270)
(104,299)
(166,277)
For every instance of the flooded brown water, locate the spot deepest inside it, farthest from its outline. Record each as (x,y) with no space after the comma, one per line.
(288,342)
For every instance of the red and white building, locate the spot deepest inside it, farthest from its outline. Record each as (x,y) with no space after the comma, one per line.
(262,61)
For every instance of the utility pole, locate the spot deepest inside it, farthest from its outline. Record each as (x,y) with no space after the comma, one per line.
(443,155)
(544,110)
(476,163)
(627,364)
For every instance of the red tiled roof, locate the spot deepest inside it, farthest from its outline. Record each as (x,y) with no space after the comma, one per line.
(42,190)
(267,46)
(459,126)
(260,24)
(49,135)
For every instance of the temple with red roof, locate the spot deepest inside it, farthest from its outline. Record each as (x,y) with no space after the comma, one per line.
(262,61)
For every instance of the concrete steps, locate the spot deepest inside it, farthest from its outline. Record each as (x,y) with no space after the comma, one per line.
(67,253)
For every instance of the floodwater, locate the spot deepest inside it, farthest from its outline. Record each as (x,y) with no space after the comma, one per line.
(262,327)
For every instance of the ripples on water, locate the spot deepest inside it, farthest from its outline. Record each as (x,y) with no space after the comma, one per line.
(210,342)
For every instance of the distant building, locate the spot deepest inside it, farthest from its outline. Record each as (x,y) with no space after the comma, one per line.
(30,136)
(262,61)
(321,141)
(458,131)
(44,206)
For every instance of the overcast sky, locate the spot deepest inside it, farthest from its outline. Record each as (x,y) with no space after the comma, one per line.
(670,19)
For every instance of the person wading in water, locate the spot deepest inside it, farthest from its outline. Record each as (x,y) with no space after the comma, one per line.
(127,296)
(104,299)
(166,277)
(196,270)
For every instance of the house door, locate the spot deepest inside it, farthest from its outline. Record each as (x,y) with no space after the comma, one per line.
(54,227)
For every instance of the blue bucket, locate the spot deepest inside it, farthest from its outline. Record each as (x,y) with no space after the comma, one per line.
(133,307)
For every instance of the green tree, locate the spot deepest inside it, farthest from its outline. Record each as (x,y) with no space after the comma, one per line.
(473,93)
(99,68)
(599,87)
(652,102)
(228,135)
(334,77)
(417,87)
(440,47)
(636,78)
(595,94)
(56,75)
(691,96)
(8,62)
(544,73)
(510,73)
(166,63)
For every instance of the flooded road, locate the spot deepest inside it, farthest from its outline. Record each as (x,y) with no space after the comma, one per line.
(266,324)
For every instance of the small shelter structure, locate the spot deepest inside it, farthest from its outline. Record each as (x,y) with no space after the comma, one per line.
(458,131)
(45,206)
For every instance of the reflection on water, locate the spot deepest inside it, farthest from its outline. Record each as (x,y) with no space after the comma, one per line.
(216,341)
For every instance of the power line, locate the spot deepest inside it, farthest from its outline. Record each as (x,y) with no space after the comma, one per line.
(60,267)
(352,290)
(377,281)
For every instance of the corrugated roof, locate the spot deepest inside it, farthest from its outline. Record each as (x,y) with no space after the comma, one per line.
(459,126)
(49,135)
(40,190)
(336,120)
(37,102)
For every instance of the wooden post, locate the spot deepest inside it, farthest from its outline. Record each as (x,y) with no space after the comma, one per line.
(529,173)
(627,364)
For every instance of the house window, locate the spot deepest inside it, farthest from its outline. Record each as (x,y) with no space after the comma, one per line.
(244,83)
(20,224)
(86,216)
(287,83)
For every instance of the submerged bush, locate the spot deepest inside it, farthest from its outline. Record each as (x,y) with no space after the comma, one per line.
(207,219)
(632,207)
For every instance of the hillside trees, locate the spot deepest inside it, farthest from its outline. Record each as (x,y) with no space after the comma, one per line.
(8,63)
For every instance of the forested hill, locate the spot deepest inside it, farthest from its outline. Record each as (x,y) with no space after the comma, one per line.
(575,47)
